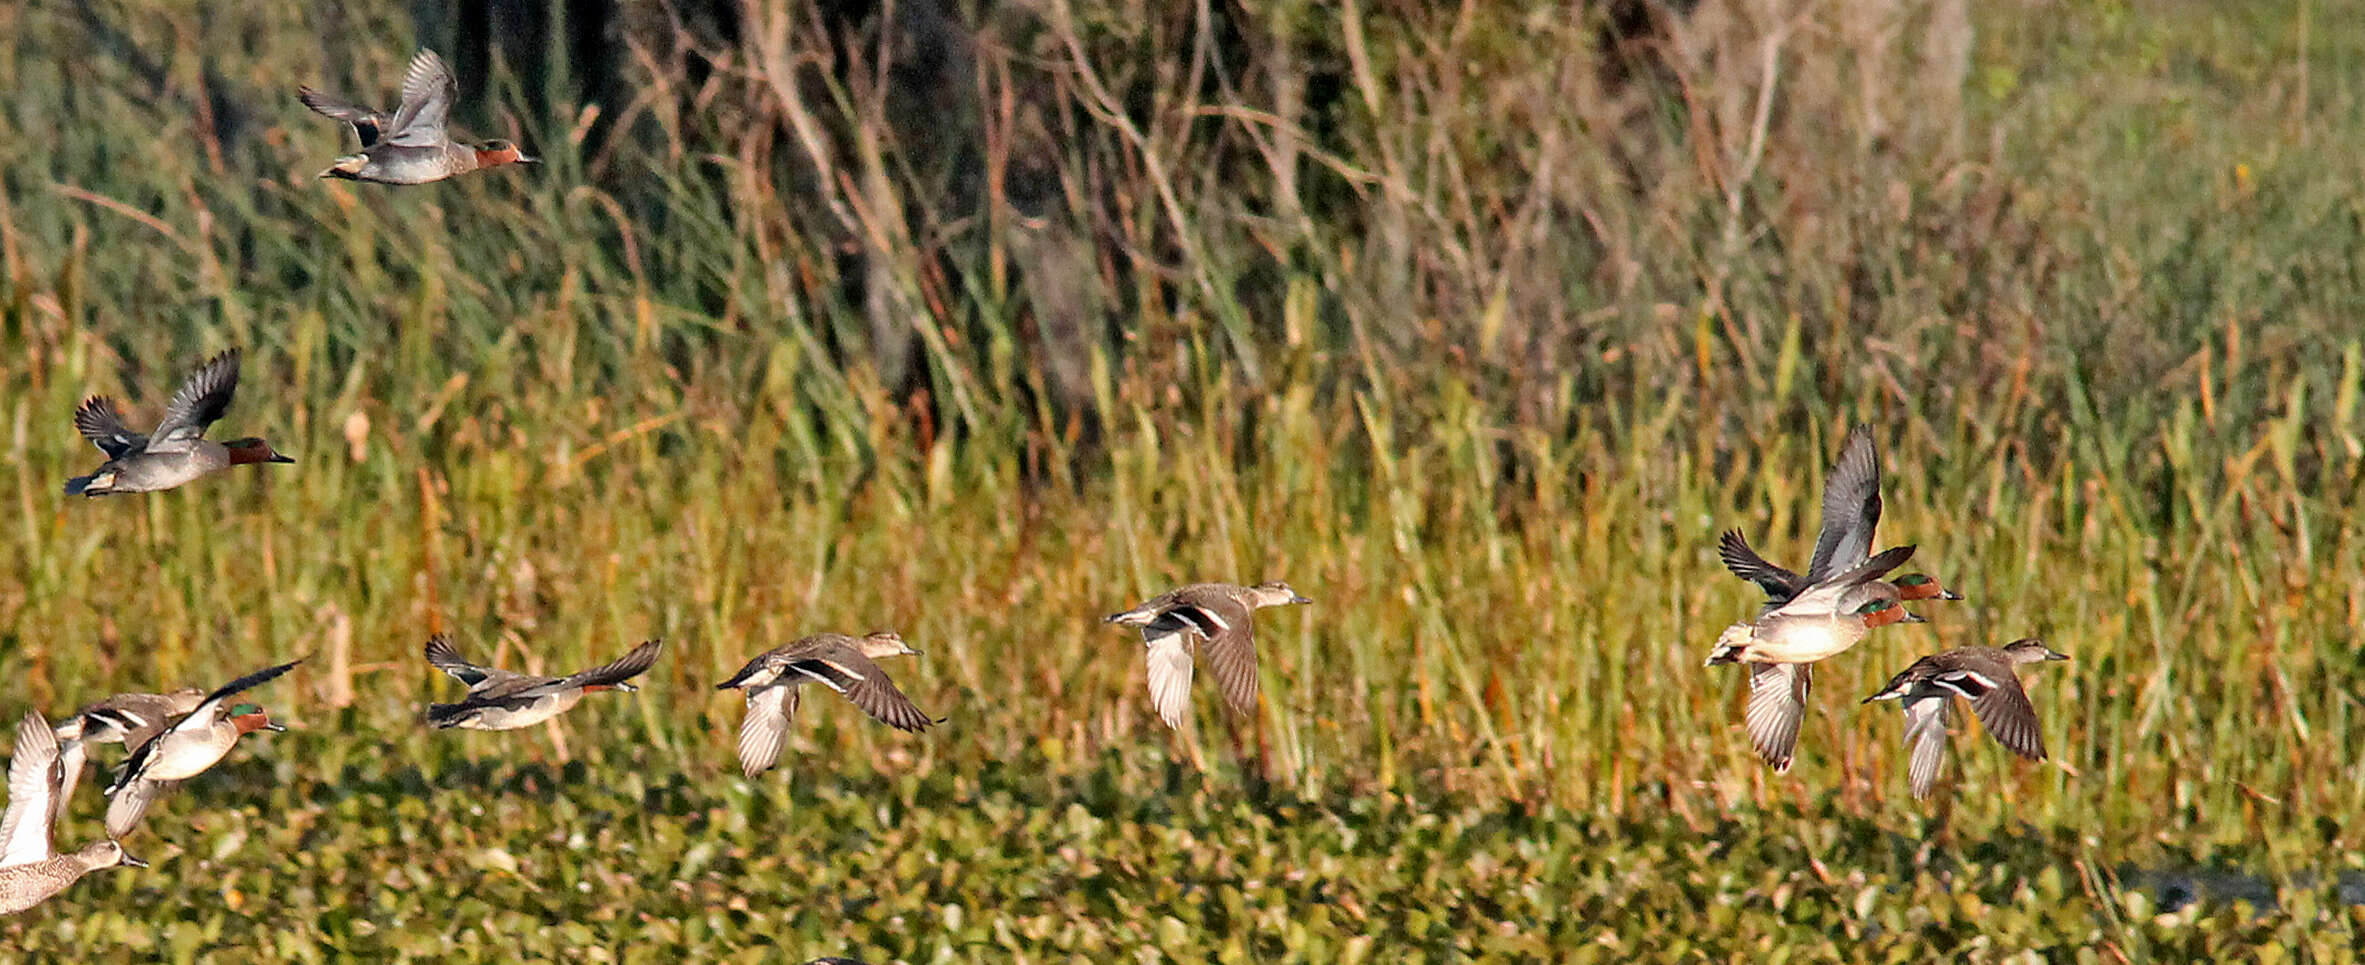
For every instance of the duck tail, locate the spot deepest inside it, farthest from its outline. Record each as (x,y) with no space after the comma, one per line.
(1729,645)
(446,716)
(80,486)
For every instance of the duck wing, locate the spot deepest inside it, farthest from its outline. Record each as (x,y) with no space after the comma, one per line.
(1777,705)
(1229,627)
(99,422)
(1851,507)
(427,95)
(197,404)
(765,727)
(33,774)
(128,803)
(1925,737)
(2003,708)
(443,656)
(632,664)
(370,125)
(844,669)
(1824,596)
(204,711)
(1166,660)
(1780,584)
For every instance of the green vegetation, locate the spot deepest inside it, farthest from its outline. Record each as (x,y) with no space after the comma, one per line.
(1473,325)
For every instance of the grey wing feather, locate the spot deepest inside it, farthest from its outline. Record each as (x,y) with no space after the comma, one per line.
(129,803)
(368,124)
(2009,718)
(847,671)
(197,404)
(98,422)
(71,756)
(766,724)
(443,656)
(32,777)
(427,94)
(1780,584)
(1851,507)
(1925,738)
(239,686)
(1777,705)
(1231,656)
(632,664)
(1166,661)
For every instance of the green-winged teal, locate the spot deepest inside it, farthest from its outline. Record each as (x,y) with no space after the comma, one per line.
(1821,622)
(127,719)
(1983,675)
(503,700)
(190,747)
(848,665)
(29,871)
(1851,511)
(177,452)
(1216,615)
(412,145)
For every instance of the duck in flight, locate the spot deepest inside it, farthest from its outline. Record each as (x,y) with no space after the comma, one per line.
(412,145)
(775,679)
(177,452)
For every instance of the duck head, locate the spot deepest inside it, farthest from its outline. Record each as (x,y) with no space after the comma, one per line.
(253,449)
(1923,586)
(886,643)
(494,153)
(108,853)
(1884,610)
(1274,593)
(2032,650)
(250,718)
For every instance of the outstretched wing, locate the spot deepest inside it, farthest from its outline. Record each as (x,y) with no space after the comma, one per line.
(130,802)
(1167,662)
(621,669)
(199,402)
(845,670)
(370,125)
(1780,584)
(1851,507)
(766,725)
(1777,705)
(443,656)
(99,422)
(1824,596)
(1925,736)
(427,95)
(2003,708)
(32,778)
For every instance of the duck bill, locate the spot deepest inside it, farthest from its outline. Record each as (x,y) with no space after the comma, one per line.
(1299,599)
(624,688)
(275,727)
(2056,655)
(523,159)
(280,457)
(132,862)
(1913,618)
(1949,595)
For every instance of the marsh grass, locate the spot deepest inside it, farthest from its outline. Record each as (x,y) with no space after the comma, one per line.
(1448,361)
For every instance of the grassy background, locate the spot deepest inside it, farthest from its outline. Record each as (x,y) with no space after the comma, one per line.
(1471,324)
